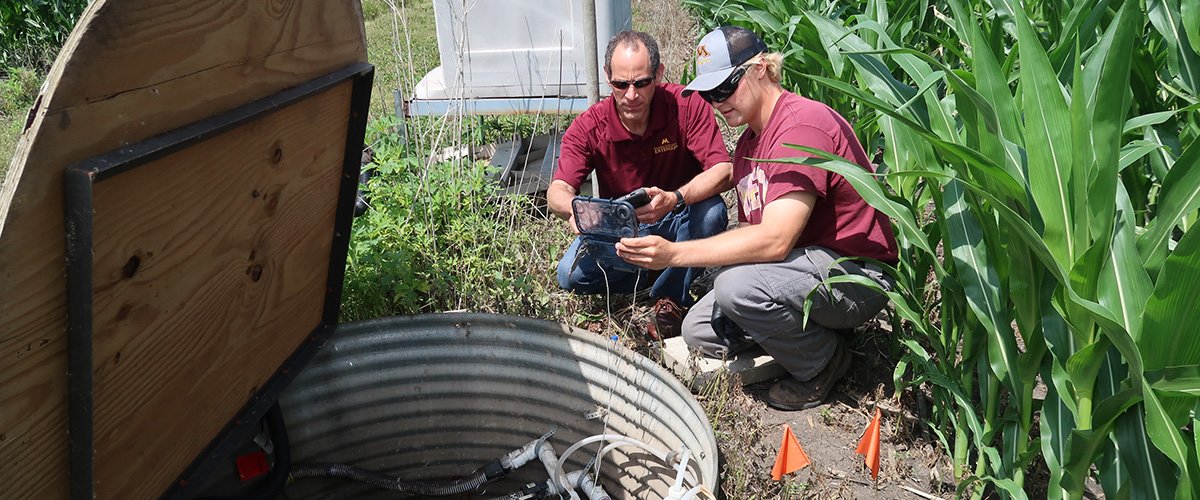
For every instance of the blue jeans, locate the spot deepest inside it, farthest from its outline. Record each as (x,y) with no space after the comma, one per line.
(579,273)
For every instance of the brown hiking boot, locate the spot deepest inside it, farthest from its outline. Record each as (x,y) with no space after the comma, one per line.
(667,320)
(791,394)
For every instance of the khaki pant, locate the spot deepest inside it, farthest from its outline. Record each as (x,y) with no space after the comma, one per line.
(767,301)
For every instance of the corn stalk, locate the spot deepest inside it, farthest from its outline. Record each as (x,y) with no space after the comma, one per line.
(1054,144)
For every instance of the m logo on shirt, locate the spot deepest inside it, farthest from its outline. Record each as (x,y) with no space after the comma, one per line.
(752,193)
(665,146)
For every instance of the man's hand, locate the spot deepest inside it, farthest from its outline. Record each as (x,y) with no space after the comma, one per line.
(650,252)
(571,223)
(661,203)
(558,200)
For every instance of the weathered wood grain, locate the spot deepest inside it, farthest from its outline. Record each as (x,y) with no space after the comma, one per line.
(134,69)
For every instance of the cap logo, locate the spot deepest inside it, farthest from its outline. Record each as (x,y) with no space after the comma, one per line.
(702,51)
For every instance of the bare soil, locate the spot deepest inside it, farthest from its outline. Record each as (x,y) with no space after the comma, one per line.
(749,433)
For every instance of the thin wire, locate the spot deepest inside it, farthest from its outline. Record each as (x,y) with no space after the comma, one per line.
(598,458)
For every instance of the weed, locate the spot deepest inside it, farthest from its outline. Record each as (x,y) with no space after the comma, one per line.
(827,415)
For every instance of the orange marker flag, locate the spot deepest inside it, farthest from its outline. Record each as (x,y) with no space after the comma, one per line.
(868,446)
(791,456)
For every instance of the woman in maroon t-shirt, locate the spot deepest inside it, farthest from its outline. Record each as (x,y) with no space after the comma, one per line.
(799,225)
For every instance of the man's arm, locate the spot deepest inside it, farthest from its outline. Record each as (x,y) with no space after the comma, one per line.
(770,241)
(709,183)
(558,198)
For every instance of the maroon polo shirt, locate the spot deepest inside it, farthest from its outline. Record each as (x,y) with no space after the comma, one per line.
(841,220)
(680,141)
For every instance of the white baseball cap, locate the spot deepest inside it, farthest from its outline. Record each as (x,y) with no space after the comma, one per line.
(720,52)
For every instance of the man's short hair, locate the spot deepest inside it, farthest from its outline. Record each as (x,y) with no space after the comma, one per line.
(630,37)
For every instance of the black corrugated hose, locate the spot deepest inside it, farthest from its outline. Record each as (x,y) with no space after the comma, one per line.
(284,472)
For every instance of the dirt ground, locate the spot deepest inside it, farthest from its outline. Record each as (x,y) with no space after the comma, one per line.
(749,433)
(911,464)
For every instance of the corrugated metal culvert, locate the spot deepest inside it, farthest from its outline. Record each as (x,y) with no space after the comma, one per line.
(438,396)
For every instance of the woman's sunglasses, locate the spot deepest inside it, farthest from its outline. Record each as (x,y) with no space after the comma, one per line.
(624,84)
(726,88)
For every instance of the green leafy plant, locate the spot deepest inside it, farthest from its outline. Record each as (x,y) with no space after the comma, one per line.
(1039,162)
(436,230)
(32,31)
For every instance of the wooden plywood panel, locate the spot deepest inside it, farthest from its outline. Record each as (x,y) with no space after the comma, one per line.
(133,69)
(210,268)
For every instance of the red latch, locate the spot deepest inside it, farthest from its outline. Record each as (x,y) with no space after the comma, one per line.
(252,465)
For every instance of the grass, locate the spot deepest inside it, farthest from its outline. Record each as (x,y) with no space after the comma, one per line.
(398,44)
(18,89)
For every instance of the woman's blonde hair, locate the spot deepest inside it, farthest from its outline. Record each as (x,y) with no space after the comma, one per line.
(773,61)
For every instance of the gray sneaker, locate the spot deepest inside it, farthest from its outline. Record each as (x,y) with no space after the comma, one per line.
(791,394)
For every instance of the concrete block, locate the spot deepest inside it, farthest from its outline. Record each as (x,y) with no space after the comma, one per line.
(695,371)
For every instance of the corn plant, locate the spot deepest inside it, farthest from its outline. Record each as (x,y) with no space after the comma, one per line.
(31,31)
(1040,173)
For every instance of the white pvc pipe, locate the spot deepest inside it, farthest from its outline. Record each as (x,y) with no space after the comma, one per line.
(558,478)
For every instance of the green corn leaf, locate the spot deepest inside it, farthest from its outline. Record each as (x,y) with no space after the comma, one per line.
(1108,67)
(989,78)
(1005,184)
(1056,425)
(1167,438)
(1154,473)
(1004,10)
(1008,486)
(1084,445)
(1113,471)
(993,124)
(1180,197)
(1196,435)
(1183,59)
(1084,283)
(1136,150)
(864,182)
(977,274)
(1052,175)
(1172,320)
(876,75)
(1189,13)
(1178,379)
(765,20)
(935,376)
(1083,367)
(1061,345)
(1024,280)
(904,151)
(1109,325)
(1097,215)
(1124,285)
(1151,119)
(1080,27)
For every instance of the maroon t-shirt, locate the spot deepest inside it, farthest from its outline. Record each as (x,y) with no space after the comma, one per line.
(841,220)
(680,141)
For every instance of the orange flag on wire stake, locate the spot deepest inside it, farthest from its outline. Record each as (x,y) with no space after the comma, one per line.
(791,456)
(868,446)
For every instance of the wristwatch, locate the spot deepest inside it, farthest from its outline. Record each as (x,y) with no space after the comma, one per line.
(680,204)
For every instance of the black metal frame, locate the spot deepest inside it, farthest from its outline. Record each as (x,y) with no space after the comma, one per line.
(78,183)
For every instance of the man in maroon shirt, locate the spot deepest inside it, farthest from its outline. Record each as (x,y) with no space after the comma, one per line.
(799,226)
(646,134)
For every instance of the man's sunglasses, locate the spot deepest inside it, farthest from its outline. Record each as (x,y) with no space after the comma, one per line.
(726,88)
(624,84)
